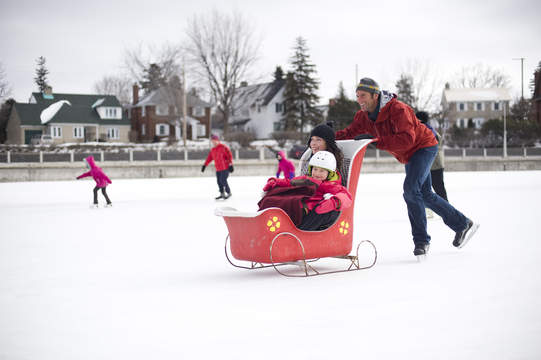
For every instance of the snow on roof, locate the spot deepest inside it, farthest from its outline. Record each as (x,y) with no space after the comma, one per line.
(98,103)
(49,112)
(477,94)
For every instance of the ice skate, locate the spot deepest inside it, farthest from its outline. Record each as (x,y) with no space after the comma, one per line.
(94,206)
(221,197)
(227,196)
(109,205)
(421,250)
(462,237)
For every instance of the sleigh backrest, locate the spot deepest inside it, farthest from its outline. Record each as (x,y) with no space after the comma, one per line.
(353,151)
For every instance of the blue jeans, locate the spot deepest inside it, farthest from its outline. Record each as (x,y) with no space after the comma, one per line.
(221,177)
(418,194)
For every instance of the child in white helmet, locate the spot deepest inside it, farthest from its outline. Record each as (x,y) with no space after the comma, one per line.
(313,201)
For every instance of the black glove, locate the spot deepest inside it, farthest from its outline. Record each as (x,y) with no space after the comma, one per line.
(203,168)
(363,137)
(231,169)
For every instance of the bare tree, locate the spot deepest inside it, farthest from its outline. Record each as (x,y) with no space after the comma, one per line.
(5,89)
(426,84)
(168,58)
(481,76)
(221,49)
(120,86)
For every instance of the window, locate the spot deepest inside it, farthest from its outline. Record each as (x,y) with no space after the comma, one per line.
(278,107)
(113,133)
(162,130)
(143,111)
(479,106)
(198,111)
(143,129)
(162,110)
(496,106)
(56,132)
(78,132)
(478,122)
(461,106)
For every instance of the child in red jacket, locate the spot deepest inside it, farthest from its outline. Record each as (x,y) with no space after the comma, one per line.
(312,202)
(223,162)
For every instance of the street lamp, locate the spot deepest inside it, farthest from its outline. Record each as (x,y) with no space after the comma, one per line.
(504,132)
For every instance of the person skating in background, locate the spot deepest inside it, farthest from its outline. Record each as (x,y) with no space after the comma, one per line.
(223,162)
(313,201)
(285,166)
(398,131)
(322,138)
(99,177)
(436,171)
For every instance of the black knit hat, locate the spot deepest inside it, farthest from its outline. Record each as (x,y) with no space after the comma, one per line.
(325,132)
(422,116)
(368,85)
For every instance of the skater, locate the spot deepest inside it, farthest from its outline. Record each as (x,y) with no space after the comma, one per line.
(99,177)
(436,171)
(322,138)
(223,162)
(400,133)
(285,166)
(314,201)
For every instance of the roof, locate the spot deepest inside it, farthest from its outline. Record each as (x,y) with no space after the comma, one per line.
(247,96)
(167,96)
(476,94)
(81,110)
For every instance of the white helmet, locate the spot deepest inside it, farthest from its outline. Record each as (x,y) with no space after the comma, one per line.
(324,160)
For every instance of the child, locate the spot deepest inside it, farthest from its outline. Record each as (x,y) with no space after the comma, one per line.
(101,180)
(313,202)
(285,166)
(223,161)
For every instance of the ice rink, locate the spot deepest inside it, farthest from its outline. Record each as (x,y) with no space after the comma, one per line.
(148,279)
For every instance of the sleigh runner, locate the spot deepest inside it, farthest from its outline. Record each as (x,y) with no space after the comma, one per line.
(268,238)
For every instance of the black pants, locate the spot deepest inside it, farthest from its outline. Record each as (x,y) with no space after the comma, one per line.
(104,192)
(314,221)
(437,183)
(222,176)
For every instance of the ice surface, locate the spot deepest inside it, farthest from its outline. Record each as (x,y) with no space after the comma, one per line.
(148,279)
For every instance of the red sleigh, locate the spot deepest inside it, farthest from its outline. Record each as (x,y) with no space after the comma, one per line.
(268,238)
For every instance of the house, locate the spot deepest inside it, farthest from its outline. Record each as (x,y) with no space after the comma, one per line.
(158,115)
(258,108)
(471,107)
(68,118)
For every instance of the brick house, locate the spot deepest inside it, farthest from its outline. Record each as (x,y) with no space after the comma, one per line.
(68,118)
(158,115)
(471,107)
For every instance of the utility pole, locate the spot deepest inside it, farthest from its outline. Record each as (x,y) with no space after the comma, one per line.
(521,77)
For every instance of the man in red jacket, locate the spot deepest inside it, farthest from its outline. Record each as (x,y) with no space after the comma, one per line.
(223,162)
(396,129)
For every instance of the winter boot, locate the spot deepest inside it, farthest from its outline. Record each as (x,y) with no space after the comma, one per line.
(462,237)
(222,196)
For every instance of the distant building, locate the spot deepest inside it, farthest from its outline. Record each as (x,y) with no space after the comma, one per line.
(258,108)
(158,116)
(471,107)
(68,118)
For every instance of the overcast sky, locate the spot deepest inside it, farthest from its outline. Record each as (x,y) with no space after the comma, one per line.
(85,40)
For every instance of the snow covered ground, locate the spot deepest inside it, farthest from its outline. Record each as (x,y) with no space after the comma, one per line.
(148,279)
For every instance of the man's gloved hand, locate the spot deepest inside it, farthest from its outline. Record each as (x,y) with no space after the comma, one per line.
(327,205)
(271,183)
(231,169)
(203,168)
(363,137)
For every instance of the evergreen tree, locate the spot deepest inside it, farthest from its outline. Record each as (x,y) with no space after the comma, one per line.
(532,80)
(342,110)
(301,87)
(5,111)
(153,78)
(41,74)
(404,91)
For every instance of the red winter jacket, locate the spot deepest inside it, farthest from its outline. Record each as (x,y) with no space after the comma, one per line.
(222,157)
(341,198)
(398,130)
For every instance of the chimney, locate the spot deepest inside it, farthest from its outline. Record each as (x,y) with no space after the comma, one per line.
(243,83)
(135,94)
(48,90)
(447,86)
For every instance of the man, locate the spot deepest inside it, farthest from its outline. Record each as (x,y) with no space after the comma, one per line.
(223,162)
(396,129)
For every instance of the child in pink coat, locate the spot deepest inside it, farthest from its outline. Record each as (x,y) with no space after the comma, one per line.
(285,166)
(99,177)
